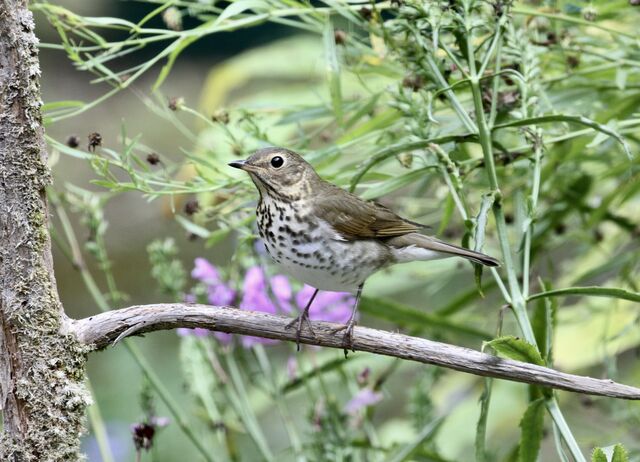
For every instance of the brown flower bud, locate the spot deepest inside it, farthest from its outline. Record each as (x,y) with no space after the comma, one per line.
(191,207)
(175,102)
(95,140)
(73,141)
(340,36)
(153,158)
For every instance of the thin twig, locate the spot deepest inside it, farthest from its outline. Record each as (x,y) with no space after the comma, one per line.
(102,329)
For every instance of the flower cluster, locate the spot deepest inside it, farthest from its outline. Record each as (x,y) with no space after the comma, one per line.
(270,295)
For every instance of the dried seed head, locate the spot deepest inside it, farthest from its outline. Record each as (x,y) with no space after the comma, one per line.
(172,18)
(153,158)
(191,207)
(560,229)
(574,61)
(415,82)
(589,13)
(221,116)
(73,141)
(95,140)
(340,36)
(175,102)
(366,13)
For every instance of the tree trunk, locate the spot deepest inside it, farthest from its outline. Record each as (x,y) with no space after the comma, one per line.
(41,371)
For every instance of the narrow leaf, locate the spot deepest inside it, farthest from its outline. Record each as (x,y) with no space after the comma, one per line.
(405,315)
(619,454)
(191,227)
(532,425)
(427,432)
(238,7)
(595,291)
(395,183)
(516,348)
(573,119)
(598,455)
(333,69)
(479,233)
(481,429)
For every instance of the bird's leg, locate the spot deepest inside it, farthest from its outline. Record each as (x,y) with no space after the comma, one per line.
(348,327)
(303,317)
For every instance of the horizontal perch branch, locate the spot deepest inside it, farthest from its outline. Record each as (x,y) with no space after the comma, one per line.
(104,329)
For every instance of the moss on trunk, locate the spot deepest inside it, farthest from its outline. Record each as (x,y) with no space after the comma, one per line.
(41,370)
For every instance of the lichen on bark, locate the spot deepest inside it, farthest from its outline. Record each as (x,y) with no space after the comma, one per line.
(42,371)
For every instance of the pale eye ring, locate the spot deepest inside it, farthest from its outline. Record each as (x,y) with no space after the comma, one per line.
(277,162)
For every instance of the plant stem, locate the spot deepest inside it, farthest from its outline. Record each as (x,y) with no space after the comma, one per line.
(98,427)
(518,303)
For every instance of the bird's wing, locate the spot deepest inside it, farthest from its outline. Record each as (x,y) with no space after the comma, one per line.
(355,218)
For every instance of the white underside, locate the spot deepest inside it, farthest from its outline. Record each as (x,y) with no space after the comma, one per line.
(413,253)
(355,261)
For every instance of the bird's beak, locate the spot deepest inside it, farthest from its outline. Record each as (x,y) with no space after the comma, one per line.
(241,164)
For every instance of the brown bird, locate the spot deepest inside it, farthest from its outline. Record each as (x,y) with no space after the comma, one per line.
(328,237)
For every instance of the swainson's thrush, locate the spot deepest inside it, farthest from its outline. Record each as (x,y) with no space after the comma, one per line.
(328,237)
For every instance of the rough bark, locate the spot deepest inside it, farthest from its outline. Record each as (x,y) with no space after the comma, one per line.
(41,371)
(104,329)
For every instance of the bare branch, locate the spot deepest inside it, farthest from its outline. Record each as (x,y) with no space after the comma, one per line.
(103,329)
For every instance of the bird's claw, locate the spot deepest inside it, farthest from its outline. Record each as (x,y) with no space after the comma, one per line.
(347,339)
(297,322)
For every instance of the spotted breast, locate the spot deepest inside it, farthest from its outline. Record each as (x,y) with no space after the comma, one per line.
(309,249)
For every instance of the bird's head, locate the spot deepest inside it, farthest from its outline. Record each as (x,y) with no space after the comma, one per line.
(278,172)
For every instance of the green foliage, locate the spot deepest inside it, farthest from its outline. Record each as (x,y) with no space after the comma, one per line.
(519,126)
(532,427)
(166,268)
(516,348)
(615,453)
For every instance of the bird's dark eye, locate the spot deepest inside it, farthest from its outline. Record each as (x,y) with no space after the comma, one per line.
(277,161)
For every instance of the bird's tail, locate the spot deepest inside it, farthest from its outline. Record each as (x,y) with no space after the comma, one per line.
(412,246)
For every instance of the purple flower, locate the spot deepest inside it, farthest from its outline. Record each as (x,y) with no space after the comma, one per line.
(364,398)
(281,289)
(327,306)
(268,295)
(198,332)
(221,294)
(205,272)
(255,297)
(254,292)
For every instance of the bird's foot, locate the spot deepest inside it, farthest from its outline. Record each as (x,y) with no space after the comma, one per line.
(347,339)
(297,322)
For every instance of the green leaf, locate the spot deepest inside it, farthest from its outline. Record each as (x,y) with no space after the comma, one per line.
(573,119)
(595,291)
(395,183)
(333,69)
(598,455)
(516,348)
(177,47)
(447,213)
(619,454)
(481,429)
(427,432)
(405,315)
(478,234)
(61,104)
(399,148)
(532,425)
(191,227)
(320,370)
(198,375)
(238,7)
